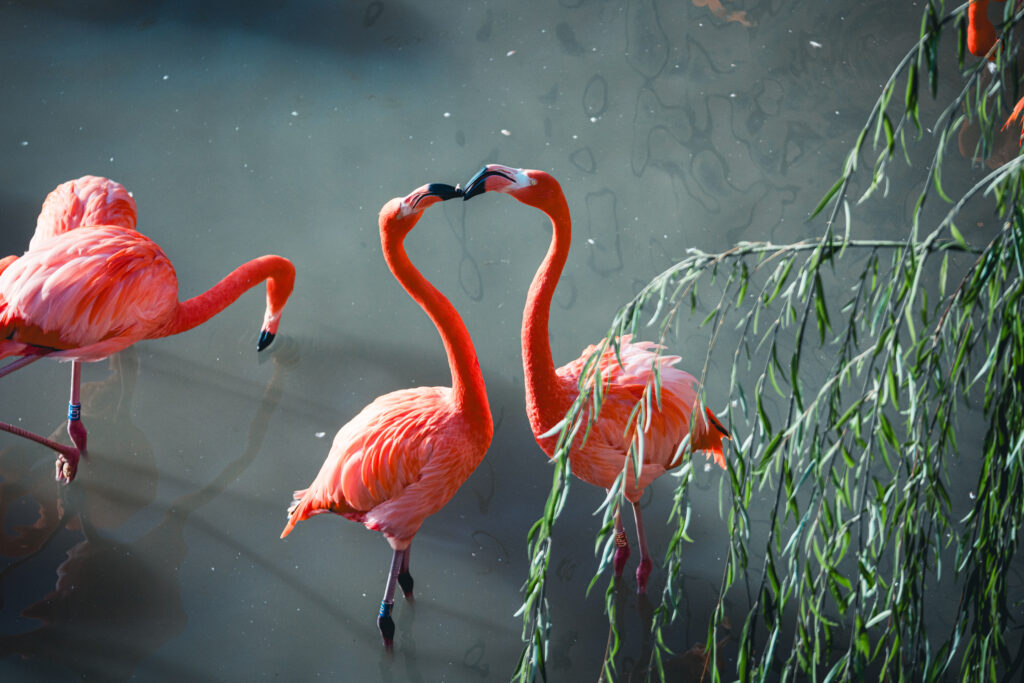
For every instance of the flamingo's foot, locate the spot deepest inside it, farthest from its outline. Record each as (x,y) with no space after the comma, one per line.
(405,581)
(67,466)
(642,574)
(621,552)
(386,624)
(67,460)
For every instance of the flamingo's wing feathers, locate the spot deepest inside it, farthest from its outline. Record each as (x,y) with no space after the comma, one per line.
(88,291)
(86,201)
(377,455)
(625,376)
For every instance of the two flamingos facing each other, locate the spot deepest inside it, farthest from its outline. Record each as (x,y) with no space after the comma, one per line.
(550,391)
(83,292)
(405,455)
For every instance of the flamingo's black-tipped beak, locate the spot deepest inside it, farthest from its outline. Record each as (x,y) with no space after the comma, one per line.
(264,340)
(478,183)
(443,191)
(439,190)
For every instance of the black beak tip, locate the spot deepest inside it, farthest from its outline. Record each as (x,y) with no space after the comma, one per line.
(443,191)
(473,189)
(477,184)
(264,341)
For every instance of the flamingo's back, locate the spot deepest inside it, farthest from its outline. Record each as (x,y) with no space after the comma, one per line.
(394,464)
(86,201)
(85,295)
(600,459)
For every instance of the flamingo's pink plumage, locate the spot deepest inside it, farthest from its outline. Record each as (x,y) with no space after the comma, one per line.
(550,392)
(84,202)
(599,460)
(85,294)
(405,455)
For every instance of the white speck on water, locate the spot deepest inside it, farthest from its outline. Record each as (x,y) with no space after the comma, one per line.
(320,435)
(590,240)
(593,119)
(24,143)
(295,113)
(510,53)
(447,114)
(166,76)
(815,43)
(506,132)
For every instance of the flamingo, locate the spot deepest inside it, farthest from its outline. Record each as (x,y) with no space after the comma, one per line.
(550,392)
(981,34)
(82,202)
(404,456)
(86,294)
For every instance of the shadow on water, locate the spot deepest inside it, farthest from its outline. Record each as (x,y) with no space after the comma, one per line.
(115,602)
(341,27)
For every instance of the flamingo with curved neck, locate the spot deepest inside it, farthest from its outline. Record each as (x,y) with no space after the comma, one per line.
(403,457)
(83,202)
(601,458)
(86,294)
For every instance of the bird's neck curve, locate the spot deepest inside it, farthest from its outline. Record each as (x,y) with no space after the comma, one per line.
(197,310)
(546,401)
(468,391)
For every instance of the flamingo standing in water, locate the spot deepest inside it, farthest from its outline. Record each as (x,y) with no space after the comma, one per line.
(86,294)
(404,456)
(84,202)
(550,392)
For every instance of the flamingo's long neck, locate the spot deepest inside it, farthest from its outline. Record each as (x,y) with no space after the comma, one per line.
(468,390)
(199,309)
(546,401)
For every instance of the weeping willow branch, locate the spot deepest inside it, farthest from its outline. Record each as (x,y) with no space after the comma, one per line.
(852,420)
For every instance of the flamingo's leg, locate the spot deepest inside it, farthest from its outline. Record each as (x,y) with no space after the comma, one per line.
(384,621)
(67,464)
(67,451)
(644,570)
(404,577)
(18,364)
(621,544)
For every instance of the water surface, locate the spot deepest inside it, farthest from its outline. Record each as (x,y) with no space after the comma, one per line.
(266,127)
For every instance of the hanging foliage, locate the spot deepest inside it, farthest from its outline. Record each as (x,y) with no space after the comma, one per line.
(918,333)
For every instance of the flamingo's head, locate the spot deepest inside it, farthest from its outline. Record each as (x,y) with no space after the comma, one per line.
(535,188)
(400,214)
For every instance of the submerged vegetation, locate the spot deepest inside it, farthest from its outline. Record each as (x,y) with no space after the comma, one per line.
(859,365)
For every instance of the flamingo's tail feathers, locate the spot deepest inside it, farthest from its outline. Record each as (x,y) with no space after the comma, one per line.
(297,511)
(708,435)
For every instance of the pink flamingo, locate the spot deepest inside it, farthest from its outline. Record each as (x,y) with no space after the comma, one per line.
(86,294)
(550,392)
(404,456)
(83,202)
